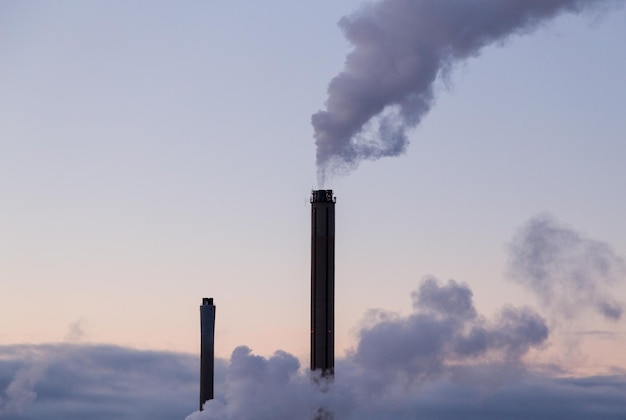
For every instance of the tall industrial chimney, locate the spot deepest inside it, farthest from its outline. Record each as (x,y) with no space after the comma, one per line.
(207,351)
(323,282)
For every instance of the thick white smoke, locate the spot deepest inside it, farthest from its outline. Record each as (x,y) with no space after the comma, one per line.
(400,49)
(441,343)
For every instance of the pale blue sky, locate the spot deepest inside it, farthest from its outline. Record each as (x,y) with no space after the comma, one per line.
(152,154)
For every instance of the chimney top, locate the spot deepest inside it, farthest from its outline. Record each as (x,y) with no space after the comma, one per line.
(322,196)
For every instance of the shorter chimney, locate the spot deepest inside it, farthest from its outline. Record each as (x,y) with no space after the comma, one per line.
(207,349)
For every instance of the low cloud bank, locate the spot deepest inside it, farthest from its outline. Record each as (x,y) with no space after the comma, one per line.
(77,382)
(442,361)
(485,391)
(109,382)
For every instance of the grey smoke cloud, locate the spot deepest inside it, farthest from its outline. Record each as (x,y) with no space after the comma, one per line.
(441,342)
(104,382)
(400,49)
(20,391)
(568,272)
(255,384)
(445,328)
(77,382)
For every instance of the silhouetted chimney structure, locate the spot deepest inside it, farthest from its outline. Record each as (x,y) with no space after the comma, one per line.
(323,282)
(207,349)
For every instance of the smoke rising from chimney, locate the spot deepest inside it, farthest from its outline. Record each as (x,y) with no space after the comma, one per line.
(400,49)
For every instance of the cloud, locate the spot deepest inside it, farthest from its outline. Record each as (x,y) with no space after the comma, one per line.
(487,391)
(109,382)
(19,393)
(442,360)
(569,273)
(445,328)
(257,387)
(75,333)
(99,382)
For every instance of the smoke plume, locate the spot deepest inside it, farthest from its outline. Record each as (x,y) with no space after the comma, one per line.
(445,329)
(400,49)
(442,342)
(568,272)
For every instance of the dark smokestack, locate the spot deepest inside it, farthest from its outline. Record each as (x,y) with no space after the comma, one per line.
(207,351)
(323,282)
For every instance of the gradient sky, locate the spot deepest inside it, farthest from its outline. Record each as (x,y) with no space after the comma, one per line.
(152,154)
